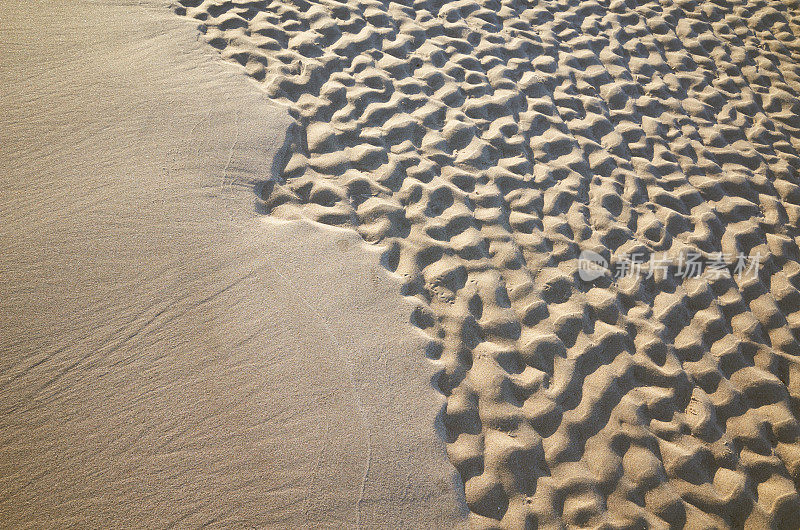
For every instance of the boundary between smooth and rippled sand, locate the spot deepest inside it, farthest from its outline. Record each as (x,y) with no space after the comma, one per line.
(487,147)
(170,358)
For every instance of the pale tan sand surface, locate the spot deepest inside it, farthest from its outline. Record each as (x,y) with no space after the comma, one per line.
(483,145)
(169,357)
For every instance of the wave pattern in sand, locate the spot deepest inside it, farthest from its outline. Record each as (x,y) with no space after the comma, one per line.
(487,143)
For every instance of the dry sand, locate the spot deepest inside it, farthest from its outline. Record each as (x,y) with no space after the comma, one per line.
(170,357)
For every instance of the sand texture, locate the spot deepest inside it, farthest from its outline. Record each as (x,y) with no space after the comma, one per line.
(168,357)
(482,145)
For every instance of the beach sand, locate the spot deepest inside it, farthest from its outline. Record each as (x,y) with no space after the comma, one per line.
(319,263)
(484,145)
(170,358)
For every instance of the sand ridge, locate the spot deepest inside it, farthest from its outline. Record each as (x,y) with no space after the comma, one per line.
(485,144)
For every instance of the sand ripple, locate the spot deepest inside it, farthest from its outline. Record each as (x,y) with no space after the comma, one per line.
(485,144)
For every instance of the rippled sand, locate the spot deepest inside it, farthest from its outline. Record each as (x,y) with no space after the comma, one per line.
(482,146)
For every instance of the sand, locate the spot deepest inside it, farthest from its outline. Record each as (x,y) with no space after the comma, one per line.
(170,359)
(483,145)
(229,285)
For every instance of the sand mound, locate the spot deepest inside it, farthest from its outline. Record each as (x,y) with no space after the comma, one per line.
(485,145)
